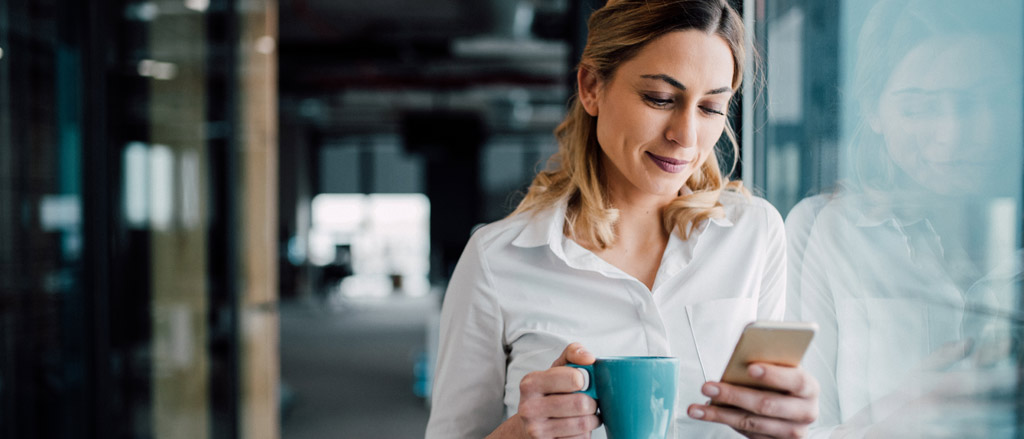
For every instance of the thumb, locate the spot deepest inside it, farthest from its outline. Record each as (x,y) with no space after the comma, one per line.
(575,353)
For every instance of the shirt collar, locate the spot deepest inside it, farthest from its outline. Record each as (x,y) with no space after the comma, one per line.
(543,228)
(915,229)
(867,211)
(720,222)
(546,227)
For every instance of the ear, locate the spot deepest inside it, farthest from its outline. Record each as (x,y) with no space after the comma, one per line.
(589,86)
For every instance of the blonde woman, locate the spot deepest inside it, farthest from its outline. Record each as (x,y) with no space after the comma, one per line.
(631,244)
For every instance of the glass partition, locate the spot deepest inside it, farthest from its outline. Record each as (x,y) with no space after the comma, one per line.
(893,145)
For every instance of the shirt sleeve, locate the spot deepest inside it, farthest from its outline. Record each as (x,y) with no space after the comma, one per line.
(816,304)
(771,304)
(469,378)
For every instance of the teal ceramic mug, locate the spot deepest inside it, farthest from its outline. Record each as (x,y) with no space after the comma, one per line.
(635,395)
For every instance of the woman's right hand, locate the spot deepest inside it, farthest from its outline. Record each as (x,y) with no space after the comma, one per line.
(549,406)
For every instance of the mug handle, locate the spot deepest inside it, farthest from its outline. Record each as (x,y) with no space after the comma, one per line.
(588,384)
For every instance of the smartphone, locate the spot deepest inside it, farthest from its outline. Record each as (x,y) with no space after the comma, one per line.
(764,341)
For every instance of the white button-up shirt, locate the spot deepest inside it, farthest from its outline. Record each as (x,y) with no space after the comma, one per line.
(522,291)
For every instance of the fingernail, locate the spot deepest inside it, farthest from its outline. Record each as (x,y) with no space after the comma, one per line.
(756,371)
(584,380)
(696,413)
(710,390)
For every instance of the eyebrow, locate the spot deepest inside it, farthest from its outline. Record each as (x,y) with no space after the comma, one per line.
(673,82)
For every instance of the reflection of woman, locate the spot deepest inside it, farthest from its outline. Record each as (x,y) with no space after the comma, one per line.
(633,245)
(889,266)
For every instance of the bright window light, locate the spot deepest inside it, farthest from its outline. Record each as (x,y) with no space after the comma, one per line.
(197,5)
(161,189)
(265,44)
(136,184)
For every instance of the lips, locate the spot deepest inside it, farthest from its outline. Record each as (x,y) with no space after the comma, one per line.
(668,164)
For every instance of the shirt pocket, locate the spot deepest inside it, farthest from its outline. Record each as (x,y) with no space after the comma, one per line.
(716,326)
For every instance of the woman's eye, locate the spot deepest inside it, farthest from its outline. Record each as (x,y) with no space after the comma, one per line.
(921,108)
(712,110)
(657,102)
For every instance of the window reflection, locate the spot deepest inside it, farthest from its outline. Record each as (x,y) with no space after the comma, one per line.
(910,262)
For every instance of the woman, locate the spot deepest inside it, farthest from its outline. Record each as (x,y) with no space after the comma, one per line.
(633,244)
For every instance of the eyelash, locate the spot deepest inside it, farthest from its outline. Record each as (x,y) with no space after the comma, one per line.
(712,111)
(663,103)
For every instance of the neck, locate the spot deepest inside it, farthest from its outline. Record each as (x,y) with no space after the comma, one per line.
(640,221)
(640,237)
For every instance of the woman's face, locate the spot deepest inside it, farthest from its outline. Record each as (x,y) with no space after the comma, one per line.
(661,113)
(943,114)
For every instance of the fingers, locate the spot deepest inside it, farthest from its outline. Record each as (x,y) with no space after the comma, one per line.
(548,406)
(750,435)
(575,353)
(558,416)
(763,402)
(756,412)
(560,379)
(558,406)
(751,424)
(791,380)
(758,436)
(551,381)
(579,426)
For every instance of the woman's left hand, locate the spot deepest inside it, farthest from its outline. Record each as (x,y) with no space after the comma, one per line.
(756,413)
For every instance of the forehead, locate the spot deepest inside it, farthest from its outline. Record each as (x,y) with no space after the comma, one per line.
(951,62)
(693,57)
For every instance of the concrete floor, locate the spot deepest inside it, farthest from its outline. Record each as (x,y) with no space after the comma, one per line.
(351,370)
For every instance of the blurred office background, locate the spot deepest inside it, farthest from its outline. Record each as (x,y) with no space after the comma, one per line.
(236,218)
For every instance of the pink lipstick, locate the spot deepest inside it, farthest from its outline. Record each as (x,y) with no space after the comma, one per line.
(667,164)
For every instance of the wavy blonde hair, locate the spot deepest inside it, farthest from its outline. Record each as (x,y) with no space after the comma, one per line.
(617,32)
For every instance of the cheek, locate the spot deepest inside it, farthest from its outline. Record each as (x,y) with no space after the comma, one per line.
(602,134)
(902,132)
(629,128)
(712,130)
(902,142)
(710,134)
(608,127)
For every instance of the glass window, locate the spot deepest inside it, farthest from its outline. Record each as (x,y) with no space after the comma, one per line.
(893,146)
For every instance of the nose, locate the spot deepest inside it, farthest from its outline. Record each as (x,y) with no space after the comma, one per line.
(949,126)
(682,128)
(946,137)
